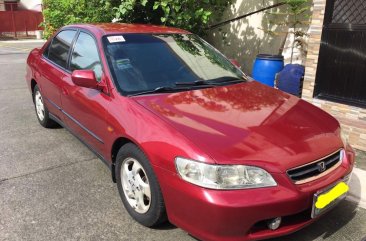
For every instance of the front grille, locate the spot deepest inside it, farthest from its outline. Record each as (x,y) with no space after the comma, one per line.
(310,171)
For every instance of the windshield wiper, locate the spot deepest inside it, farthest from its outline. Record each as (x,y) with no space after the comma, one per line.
(160,89)
(211,82)
(198,84)
(225,79)
(194,83)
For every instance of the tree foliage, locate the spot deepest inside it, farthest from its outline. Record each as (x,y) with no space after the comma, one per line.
(58,13)
(192,15)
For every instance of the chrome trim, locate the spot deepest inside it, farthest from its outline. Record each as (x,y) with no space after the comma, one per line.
(315,160)
(309,179)
(319,175)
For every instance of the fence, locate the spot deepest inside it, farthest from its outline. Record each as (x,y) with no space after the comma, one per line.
(16,22)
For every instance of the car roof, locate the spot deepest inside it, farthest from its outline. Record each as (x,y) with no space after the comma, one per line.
(120,28)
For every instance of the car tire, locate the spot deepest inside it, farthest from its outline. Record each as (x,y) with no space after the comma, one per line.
(41,109)
(138,187)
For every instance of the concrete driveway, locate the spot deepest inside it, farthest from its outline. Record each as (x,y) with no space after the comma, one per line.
(53,188)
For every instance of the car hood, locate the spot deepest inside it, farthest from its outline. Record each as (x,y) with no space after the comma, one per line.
(249,123)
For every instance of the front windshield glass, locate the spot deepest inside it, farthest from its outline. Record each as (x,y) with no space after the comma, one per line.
(143,62)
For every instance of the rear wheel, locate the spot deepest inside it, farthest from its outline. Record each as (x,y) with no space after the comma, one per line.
(138,187)
(41,109)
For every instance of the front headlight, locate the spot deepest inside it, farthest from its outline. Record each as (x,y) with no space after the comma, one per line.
(223,176)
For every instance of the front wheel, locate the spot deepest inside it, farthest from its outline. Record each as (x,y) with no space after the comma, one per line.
(138,187)
(41,109)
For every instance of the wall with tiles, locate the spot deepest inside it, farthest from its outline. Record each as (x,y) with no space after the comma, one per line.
(352,119)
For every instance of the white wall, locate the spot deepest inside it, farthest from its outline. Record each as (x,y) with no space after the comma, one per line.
(299,55)
(2,7)
(31,4)
(244,39)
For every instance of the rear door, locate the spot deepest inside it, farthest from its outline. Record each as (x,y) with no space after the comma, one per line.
(52,70)
(85,107)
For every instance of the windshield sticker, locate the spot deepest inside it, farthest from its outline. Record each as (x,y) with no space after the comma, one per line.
(116,39)
(123,64)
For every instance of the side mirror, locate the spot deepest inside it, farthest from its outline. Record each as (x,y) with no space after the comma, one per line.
(235,62)
(85,78)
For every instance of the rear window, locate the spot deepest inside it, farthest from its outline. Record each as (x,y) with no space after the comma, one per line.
(58,51)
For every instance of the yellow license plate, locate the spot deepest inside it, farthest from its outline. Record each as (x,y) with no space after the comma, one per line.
(326,199)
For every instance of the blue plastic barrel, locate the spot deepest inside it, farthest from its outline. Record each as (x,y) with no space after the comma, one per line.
(266,67)
(290,79)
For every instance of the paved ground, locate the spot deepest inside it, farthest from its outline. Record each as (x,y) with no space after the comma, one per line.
(53,188)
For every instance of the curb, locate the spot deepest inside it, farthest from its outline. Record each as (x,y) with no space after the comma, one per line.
(357,185)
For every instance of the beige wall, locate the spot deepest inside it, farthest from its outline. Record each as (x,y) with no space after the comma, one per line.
(352,119)
(244,39)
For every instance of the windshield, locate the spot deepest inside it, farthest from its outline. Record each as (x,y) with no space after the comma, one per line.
(144,62)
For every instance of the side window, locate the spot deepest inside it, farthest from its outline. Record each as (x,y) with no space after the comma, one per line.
(45,52)
(85,55)
(60,46)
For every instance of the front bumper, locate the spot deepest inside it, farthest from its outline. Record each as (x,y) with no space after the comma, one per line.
(241,214)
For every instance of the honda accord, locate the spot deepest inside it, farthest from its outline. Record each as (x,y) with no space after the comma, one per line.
(188,137)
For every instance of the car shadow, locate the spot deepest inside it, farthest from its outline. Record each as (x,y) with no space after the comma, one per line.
(330,222)
(56,126)
(165,226)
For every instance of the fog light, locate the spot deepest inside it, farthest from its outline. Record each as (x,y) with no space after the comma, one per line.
(274,224)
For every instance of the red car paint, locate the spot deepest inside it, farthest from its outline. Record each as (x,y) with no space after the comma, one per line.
(246,123)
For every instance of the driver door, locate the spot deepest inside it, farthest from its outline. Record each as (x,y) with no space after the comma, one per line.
(85,107)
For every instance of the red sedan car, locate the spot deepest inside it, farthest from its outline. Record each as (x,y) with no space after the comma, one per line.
(189,137)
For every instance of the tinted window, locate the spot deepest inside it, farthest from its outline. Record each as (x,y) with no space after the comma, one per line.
(45,52)
(85,55)
(142,62)
(60,46)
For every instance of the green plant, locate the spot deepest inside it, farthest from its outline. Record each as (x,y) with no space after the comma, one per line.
(295,17)
(58,13)
(188,14)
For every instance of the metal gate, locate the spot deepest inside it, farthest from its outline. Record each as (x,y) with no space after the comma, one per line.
(18,22)
(341,72)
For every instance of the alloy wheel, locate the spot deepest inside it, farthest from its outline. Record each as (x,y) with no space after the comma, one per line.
(135,185)
(39,106)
